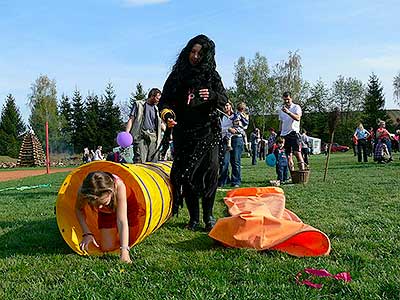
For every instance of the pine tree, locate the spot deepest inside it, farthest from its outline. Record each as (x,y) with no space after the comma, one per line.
(126,107)
(110,119)
(65,113)
(374,103)
(138,95)
(11,128)
(78,122)
(92,132)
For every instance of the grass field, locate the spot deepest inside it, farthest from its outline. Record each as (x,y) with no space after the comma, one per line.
(357,207)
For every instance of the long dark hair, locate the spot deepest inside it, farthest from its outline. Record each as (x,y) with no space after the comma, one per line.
(200,75)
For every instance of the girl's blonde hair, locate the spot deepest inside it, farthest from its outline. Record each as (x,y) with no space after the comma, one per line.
(94,186)
(241,106)
(360,126)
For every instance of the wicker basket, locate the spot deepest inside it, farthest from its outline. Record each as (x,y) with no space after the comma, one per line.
(300,176)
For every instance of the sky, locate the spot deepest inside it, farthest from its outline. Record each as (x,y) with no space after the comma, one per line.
(87,43)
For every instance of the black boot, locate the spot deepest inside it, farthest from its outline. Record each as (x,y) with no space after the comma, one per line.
(194,213)
(208,218)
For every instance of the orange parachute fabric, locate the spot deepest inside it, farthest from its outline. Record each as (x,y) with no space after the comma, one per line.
(259,220)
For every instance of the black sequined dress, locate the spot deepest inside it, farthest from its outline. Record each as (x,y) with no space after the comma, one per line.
(196,138)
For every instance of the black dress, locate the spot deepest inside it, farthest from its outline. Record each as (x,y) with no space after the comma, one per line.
(196,137)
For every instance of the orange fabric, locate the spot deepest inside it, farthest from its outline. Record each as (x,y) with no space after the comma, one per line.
(259,220)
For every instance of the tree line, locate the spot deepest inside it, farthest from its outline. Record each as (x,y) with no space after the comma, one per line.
(261,87)
(77,121)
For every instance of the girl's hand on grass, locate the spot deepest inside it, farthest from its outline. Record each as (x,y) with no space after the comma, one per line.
(125,256)
(84,245)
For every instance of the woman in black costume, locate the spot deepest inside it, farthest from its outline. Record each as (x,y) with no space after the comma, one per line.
(191,96)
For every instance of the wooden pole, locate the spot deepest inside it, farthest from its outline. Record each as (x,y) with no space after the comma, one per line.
(47,149)
(328,156)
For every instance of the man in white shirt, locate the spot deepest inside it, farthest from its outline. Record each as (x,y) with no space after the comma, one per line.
(289,126)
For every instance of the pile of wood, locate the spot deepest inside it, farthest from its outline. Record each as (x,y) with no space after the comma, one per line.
(7,165)
(31,153)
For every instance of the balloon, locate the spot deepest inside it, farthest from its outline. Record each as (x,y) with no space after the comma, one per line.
(124,139)
(270,160)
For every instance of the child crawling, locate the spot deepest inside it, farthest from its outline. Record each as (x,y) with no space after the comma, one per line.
(105,193)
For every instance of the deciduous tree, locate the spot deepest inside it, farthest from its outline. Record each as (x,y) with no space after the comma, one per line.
(43,104)
(396,88)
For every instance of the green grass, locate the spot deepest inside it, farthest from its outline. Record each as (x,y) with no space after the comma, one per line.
(357,207)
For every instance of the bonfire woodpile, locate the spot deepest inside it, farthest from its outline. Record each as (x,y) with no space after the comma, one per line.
(8,165)
(31,153)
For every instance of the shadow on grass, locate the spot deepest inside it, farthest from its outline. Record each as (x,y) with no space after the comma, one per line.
(199,243)
(367,165)
(32,238)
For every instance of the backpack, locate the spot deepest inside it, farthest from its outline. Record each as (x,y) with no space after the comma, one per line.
(115,157)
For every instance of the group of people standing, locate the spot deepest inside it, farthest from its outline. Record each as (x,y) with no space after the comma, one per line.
(90,155)
(194,107)
(377,143)
(189,105)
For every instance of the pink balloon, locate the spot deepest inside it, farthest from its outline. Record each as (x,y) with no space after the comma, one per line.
(124,139)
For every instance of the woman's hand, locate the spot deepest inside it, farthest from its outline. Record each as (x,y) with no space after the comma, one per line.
(87,239)
(204,93)
(125,256)
(171,123)
(232,130)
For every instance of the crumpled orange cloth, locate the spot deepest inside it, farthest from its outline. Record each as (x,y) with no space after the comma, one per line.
(260,220)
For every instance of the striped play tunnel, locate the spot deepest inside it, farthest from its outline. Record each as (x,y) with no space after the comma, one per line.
(149,199)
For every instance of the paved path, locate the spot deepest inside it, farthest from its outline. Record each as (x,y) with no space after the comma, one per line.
(16,174)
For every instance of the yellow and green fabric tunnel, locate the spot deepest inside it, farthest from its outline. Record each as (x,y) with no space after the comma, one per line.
(149,197)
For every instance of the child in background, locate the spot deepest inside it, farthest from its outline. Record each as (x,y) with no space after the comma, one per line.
(281,162)
(237,125)
(106,194)
(86,155)
(244,121)
(271,140)
(305,145)
(242,110)
(381,154)
(98,155)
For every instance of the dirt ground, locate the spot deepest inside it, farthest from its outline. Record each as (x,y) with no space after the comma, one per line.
(17,174)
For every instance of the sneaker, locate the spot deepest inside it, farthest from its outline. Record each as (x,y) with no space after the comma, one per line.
(192,226)
(275,182)
(209,224)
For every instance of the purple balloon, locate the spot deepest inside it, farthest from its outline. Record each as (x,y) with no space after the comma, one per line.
(124,139)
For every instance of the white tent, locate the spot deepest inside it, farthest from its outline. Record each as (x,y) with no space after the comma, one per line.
(315,145)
